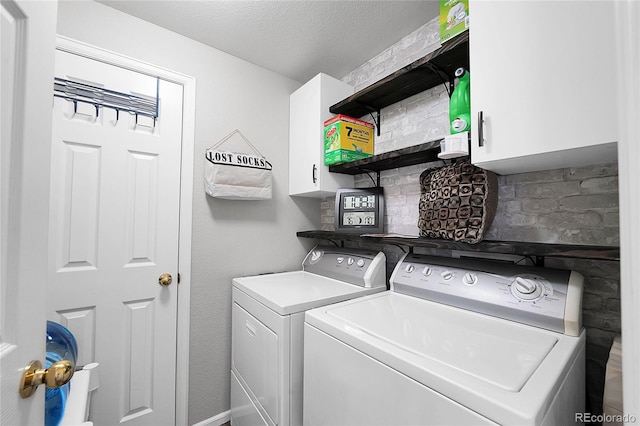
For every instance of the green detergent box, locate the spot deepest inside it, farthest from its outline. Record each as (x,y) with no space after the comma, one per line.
(347,139)
(454,18)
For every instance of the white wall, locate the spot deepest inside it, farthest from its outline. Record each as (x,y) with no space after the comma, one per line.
(230,238)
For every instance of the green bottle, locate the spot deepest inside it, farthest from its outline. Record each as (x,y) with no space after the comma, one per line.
(460,103)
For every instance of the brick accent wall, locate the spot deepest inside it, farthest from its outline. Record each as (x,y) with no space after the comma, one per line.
(420,118)
(575,205)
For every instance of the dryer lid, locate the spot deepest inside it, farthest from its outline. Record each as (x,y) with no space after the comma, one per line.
(434,338)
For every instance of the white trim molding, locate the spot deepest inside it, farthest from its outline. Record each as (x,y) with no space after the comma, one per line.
(186,199)
(217,420)
(628,63)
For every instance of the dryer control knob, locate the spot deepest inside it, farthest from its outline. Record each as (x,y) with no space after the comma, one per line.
(426,271)
(360,263)
(409,268)
(316,255)
(350,261)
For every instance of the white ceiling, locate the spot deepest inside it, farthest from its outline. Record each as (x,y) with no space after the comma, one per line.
(297,39)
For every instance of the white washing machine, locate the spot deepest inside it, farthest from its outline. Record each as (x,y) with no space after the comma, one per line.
(267,328)
(454,342)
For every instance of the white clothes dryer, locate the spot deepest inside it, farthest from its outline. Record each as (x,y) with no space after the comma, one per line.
(454,342)
(267,328)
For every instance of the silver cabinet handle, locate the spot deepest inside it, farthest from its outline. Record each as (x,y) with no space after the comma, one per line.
(313,174)
(480,128)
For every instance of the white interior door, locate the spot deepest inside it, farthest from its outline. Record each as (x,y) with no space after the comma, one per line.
(27,39)
(115,192)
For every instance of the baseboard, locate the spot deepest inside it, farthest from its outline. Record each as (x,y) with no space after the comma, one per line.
(217,420)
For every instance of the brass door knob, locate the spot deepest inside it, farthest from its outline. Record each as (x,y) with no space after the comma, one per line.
(57,375)
(165,280)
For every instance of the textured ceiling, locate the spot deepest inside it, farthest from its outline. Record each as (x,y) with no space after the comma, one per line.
(297,39)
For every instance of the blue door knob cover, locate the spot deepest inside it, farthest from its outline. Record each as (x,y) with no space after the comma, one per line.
(60,345)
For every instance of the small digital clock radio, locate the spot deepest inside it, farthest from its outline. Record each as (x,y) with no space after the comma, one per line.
(359,210)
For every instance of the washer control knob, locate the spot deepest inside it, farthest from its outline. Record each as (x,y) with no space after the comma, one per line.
(426,271)
(409,268)
(526,288)
(360,263)
(340,259)
(446,275)
(350,261)
(469,278)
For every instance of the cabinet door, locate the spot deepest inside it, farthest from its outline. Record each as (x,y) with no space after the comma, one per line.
(309,108)
(543,75)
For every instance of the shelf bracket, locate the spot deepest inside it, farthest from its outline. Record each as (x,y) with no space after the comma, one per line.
(447,80)
(376,119)
(377,172)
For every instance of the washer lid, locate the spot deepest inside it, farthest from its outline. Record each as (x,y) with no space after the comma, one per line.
(437,338)
(297,291)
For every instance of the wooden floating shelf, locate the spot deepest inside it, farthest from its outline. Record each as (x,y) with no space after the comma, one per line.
(435,68)
(417,154)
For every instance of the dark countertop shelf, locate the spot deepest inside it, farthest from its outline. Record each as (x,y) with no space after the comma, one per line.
(435,68)
(577,251)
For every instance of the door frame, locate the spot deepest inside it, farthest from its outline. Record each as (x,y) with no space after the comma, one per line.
(627,38)
(186,199)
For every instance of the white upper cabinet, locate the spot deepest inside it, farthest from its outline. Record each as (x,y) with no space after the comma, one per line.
(544,79)
(309,108)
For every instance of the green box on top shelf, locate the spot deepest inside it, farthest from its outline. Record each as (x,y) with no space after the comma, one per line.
(454,18)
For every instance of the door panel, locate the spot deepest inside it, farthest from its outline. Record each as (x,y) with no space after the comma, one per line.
(27,40)
(79,198)
(115,185)
(142,208)
(139,332)
(81,322)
